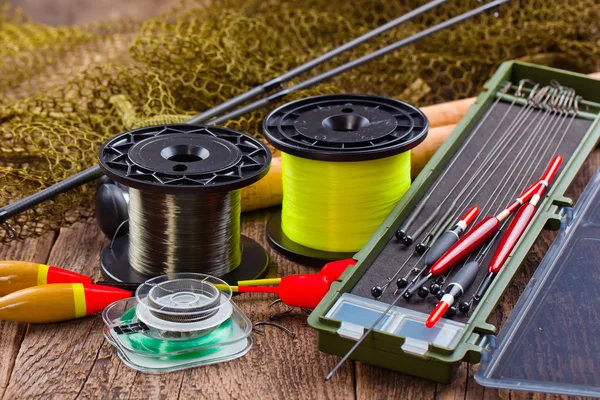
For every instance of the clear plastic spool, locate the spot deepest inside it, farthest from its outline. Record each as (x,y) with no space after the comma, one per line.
(177,321)
(183,304)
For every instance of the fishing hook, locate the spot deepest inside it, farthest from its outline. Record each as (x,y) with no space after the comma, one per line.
(576,106)
(285,313)
(276,325)
(522,83)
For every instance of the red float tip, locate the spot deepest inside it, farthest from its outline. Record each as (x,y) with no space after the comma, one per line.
(551,170)
(525,196)
(529,192)
(98,297)
(437,313)
(470,216)
(333,270)
(59,275)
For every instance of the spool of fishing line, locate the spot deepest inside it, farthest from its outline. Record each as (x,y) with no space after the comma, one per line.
(178,321)
(184,186)
(345,165)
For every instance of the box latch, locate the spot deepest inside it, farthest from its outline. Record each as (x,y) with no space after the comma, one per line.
(349,330)
(415,346)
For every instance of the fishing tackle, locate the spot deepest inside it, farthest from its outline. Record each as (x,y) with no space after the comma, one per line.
(402,231)
(346,164)
(276,325)
(536,131)
(468,243)
(288,312)
(184,186)
(494,157)
(58,302)
(514,232)
(300,290)
(430,257)
(17,275)
(95,172)
(332,271)
(446,241)
(407,240)
(461,282)
(177,321)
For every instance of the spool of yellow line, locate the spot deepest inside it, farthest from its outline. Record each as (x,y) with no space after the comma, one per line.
(345,165)
(336,206)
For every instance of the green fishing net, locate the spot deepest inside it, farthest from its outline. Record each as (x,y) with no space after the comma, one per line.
(65,90)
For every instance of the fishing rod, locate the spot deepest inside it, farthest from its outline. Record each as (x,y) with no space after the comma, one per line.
(95,172)
(309,65)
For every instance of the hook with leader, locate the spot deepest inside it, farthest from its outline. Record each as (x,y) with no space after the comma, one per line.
(533,132)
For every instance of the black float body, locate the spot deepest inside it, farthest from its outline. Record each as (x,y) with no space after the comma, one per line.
(339,128)
(183,159)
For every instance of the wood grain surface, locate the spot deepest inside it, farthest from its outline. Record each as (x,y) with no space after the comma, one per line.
(11,333)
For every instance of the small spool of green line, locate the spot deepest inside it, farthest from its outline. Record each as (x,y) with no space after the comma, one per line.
(345,166)
(168,349)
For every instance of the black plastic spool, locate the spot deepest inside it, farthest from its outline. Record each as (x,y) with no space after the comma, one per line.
(184,159)
(339,128)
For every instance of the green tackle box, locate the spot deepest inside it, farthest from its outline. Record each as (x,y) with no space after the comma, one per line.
(400,341)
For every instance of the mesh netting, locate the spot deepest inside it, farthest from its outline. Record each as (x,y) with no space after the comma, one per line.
(65,90)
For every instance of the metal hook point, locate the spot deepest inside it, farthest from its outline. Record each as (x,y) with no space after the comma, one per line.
(268,323)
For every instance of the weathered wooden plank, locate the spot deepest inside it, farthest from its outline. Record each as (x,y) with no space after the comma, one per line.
(11,333)
(378,383)
(54,360)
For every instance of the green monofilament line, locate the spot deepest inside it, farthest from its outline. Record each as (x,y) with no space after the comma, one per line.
(170,348)
(336,206)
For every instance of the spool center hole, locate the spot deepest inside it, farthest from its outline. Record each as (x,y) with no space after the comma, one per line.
(185,298)
(184,153)
(345,122)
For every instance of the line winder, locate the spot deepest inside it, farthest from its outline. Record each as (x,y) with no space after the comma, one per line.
(177,321)
(527,115)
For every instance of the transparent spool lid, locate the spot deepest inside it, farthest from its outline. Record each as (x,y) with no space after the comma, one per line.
(551,341)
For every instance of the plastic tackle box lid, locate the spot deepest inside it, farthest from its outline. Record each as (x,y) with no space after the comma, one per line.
(551,341)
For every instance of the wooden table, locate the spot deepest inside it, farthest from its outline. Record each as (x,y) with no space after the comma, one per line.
(72,359)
